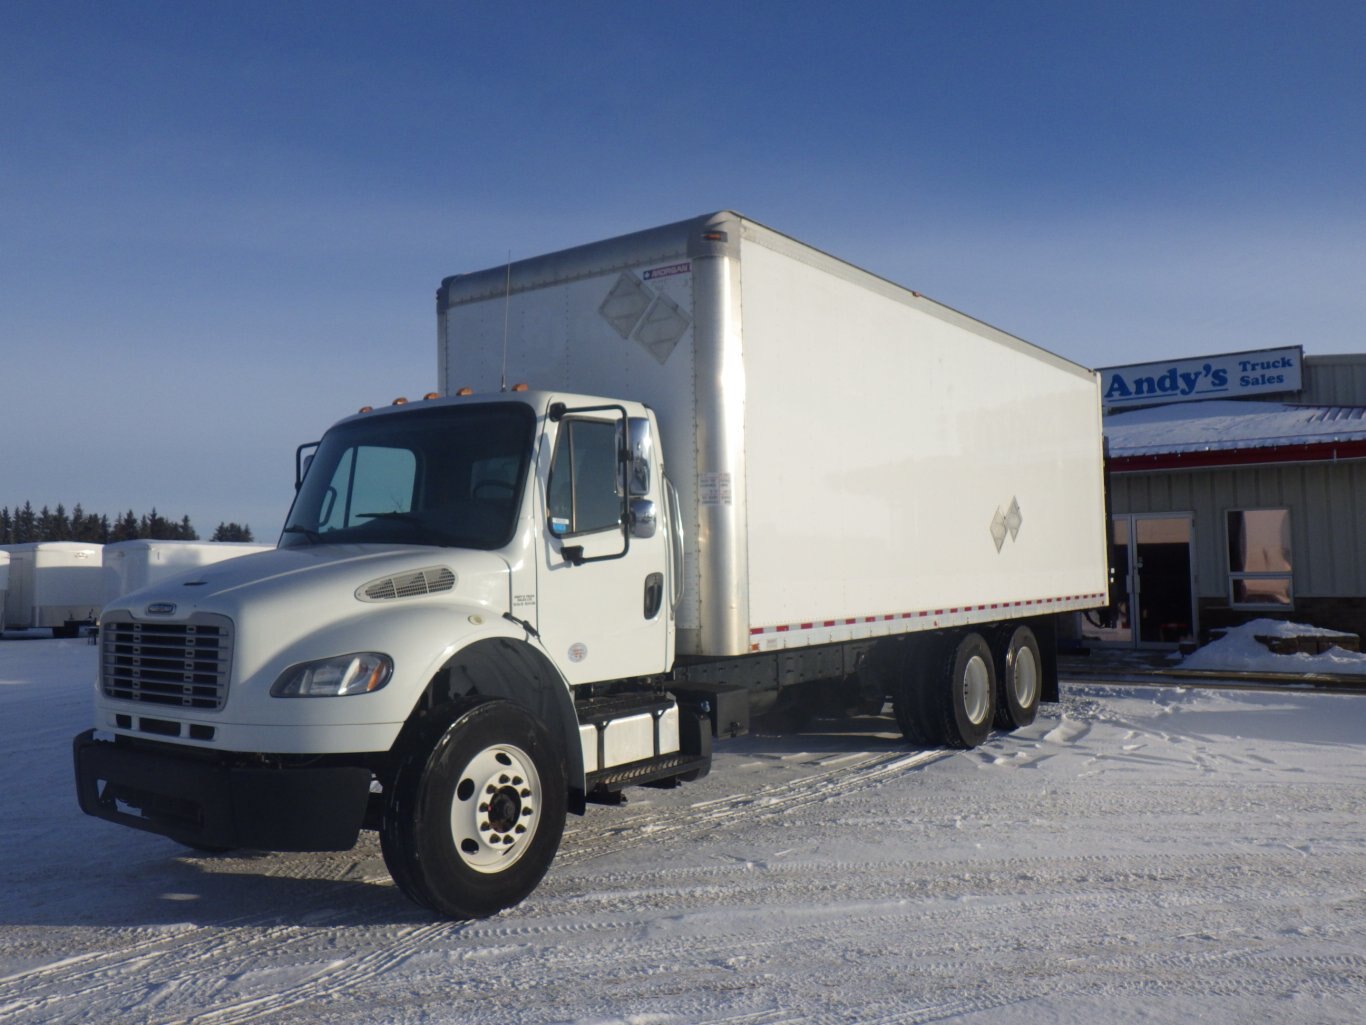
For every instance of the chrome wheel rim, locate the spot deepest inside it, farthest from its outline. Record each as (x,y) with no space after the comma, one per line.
(495,808)
(1025,678)
(976,690)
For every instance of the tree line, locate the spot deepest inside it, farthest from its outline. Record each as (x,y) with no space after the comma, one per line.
(24,526)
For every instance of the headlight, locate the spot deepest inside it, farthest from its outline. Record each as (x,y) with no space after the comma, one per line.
(361,673)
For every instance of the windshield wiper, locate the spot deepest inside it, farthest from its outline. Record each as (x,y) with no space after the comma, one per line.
(400,517)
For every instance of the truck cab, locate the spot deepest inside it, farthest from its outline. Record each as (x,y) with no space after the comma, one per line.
(463,633)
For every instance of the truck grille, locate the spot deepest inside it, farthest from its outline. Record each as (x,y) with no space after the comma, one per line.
(180,664)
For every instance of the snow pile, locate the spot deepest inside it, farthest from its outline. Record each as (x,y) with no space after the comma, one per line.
(1240,651)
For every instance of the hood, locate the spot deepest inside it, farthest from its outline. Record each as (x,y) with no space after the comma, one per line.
(290,577)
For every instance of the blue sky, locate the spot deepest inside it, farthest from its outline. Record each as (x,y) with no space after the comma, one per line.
(222,225)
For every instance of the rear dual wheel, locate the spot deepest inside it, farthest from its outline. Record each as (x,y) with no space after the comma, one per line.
(945,694)
(967,708)
(1021,670)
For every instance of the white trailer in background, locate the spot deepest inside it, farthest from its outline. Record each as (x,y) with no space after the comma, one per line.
(4,586)
(54,584)
(675,478)
(132,565)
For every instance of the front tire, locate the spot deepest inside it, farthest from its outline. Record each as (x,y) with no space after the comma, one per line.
(476,811)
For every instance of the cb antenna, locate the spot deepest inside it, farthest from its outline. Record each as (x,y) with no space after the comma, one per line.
(507,303)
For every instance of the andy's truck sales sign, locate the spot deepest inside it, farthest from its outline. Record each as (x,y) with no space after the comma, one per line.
(1232,375)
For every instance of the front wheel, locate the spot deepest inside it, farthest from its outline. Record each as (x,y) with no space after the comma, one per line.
(476,810)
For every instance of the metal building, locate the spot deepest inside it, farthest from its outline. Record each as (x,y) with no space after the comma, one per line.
(1237,491)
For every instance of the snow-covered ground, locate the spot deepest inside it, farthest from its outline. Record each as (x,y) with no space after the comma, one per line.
(1139,854)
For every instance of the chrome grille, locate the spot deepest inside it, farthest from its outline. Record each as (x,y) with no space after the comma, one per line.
(184,665)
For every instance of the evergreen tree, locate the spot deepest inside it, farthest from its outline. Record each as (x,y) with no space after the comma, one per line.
(61,525)
(127,527)
(154,526)
(89,527)
(232,532)
(25,525)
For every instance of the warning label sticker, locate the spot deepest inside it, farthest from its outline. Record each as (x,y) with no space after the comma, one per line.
(714,488)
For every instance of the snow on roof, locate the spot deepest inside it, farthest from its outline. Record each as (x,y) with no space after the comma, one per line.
(1223,424)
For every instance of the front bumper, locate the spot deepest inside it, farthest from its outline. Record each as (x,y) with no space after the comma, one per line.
(209,804)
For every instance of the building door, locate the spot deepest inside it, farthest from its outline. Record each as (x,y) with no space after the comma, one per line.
(1151,561)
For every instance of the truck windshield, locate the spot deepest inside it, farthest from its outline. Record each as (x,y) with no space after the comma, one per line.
(447,475)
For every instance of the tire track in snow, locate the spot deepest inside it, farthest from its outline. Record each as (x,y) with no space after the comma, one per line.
(197,960)
(667,824)
(634,946)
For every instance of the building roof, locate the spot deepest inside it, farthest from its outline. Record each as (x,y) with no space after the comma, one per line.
(1232,433)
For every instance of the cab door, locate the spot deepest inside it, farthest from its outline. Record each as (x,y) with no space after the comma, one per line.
(602,600)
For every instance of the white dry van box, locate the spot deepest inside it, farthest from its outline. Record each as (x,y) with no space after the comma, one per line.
(53,584)
(668,481)
(133,565)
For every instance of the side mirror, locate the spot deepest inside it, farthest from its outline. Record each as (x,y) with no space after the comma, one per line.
(303,459)
(643,519)
(639,446)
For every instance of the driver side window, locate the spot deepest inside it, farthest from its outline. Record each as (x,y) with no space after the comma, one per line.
(584,493)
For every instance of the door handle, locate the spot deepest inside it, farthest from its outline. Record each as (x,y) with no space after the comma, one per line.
(654,594)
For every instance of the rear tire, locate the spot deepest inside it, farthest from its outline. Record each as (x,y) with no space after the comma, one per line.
(476,810)
(962,698)
(911,679)
(1021,669)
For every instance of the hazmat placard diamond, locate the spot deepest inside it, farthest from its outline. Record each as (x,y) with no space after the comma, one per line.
(1013,519)
(999,528)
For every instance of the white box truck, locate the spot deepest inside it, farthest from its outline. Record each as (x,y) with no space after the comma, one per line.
(669,479)
(54,584)
(132,565)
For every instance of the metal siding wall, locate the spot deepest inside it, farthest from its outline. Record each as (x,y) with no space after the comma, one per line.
(1327,503)
(1334,381)
(1344,527)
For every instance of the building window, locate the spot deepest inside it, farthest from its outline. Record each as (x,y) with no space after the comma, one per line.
(1259,564)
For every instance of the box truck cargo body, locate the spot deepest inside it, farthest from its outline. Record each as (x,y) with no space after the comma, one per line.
(852,459)
(4,586)
(668,481)
(54,584)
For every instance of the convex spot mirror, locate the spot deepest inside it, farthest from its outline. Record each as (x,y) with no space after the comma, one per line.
(643,519)
(639,446)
